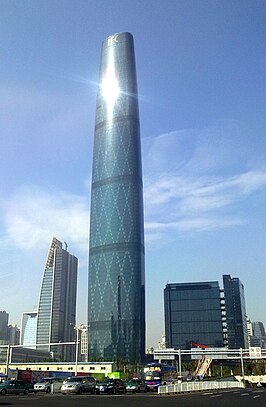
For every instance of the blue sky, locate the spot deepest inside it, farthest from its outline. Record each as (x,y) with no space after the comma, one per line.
(201,69)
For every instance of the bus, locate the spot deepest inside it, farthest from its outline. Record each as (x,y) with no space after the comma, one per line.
(153,379)
(154,374)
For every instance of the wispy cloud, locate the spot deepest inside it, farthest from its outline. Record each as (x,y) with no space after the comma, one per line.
(33,216)
(180,196)
(187,189)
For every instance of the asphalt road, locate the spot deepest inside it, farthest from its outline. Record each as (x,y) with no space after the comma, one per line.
(232,398)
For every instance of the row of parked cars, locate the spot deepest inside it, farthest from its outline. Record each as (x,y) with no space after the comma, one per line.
(79,385)
(74,384)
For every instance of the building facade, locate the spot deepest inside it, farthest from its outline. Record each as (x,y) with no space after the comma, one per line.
(236,319)
(4,316)
(84,344)
(57,303)
(29,329)
(116,304)
(258,334)
(193,315)
(13,334)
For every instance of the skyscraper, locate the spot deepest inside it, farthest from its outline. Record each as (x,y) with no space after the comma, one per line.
(4,316)
(236,319)
(116,308)
(193,314)
(28,329)
(13,334)
(57,304)
(259,335)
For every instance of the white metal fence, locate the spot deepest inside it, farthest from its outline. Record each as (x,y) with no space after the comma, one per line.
(198,386)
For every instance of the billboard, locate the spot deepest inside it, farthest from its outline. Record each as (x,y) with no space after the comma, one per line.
(255,352)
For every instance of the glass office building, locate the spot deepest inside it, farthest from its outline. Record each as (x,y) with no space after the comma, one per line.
(29,329)
(236,319)
(116,308)
(193,314)
(259,335)
(57,304)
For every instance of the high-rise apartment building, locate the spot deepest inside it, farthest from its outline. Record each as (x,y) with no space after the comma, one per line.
(57,304)
(84,343)
(13,334)
(193,314)
(236,319)
(4,316)
(116,307)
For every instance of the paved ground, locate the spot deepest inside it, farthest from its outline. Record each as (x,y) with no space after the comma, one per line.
(232,398)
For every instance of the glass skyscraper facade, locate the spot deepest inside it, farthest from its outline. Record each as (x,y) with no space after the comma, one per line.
(236,318)
(193,314)
(116,308)
(28,329)
(258,335)
(57,304)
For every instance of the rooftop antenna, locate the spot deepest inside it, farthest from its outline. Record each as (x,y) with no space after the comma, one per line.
(66,246)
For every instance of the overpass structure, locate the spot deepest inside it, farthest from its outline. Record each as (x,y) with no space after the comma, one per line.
(208,354)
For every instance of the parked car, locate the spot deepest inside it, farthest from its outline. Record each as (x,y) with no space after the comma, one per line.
(135,386)
(15,387)
(79,385)
(45,384)
(111,386)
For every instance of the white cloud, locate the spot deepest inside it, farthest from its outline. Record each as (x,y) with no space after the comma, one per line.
(195,224)
(188,194)
(177,200)
(194,179)
(33,216)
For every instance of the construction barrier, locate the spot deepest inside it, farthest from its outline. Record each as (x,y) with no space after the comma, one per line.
(188,387)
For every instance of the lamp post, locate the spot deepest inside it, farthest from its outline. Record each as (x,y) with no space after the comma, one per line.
(242,365)
(77,349)
(78,330)
(179,363)
(8,352)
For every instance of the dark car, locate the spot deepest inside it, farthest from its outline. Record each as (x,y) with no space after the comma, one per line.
(136,386)
(16,387)
(111,386)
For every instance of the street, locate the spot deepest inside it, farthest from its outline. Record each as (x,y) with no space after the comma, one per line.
(244,397)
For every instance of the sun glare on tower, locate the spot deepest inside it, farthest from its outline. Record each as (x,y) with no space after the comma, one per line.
(110,87)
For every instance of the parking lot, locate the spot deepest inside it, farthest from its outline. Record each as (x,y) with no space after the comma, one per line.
(232,398)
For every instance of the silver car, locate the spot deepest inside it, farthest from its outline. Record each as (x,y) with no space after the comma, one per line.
(45,384)
(79,385)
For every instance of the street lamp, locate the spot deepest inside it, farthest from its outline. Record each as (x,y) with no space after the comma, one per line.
(8,358)
(77,349)
(78,330)
(242,365)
